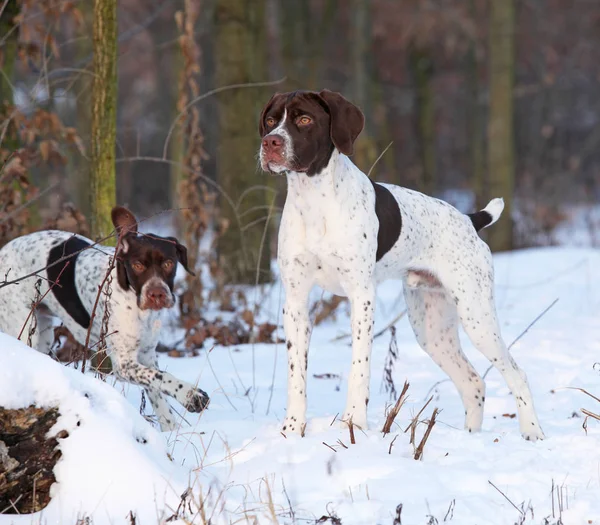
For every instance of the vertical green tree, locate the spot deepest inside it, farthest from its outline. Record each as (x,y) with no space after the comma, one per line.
(104,117)
(475,127)
(421,64)
(8,55)
(240,51)
(360,37)
(501,155)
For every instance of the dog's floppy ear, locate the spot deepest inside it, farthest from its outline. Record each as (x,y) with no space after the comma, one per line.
(124,222)
(268,106)
(347,121)
(182,256)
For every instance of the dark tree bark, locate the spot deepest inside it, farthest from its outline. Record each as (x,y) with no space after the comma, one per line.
(27,459)
(422,70)
(475,125)
(240,52)
(501,156)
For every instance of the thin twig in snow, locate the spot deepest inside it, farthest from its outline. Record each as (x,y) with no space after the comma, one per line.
(506,497)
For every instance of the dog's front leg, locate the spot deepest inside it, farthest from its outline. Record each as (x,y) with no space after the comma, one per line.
(296,324)
(192,398)
(165,416)
(362,312)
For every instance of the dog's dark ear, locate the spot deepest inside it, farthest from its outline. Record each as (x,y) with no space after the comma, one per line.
(182,256)
(268,106)
(347,121)
(122,275)
(124,221)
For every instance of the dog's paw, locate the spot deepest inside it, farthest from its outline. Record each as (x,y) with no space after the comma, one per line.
(533,435)
(294,425)
(196,401)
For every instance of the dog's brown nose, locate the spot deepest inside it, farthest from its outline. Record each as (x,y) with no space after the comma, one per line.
(273,143)
(157,297)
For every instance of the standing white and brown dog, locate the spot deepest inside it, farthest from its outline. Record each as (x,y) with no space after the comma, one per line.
(345,233)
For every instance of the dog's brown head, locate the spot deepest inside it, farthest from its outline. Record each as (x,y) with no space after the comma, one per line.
(300,130)
(146,263)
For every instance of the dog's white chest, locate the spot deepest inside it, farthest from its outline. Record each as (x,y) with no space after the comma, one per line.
(329,228)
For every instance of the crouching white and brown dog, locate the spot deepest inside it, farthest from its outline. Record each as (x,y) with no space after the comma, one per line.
(67,272)
(345,233)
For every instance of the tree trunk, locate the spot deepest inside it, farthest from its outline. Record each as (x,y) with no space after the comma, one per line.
(27,459)
(240,45)
(365,152)
(475,131)
(501,162)
(104,117)
(8,56)
(422,70)
(303,34)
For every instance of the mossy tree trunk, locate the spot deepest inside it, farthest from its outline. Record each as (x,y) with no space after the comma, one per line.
(240,51)
(104,117)
(422,71)
(501,156)
(8,56)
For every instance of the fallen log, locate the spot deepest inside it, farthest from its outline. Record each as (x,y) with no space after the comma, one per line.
(27,458)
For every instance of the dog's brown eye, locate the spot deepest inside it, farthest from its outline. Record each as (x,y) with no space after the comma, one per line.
(303,120)
(168,265)
(138,267)
(270,121)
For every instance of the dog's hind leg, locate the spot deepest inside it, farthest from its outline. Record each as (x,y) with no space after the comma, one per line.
(435,323)
(45,329)
(473,295)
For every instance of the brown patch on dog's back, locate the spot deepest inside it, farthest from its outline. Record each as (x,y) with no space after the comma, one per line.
(390,219)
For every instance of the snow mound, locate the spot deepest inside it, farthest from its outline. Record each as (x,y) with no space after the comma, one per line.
(113,461)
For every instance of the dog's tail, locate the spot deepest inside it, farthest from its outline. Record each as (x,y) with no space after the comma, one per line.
(489,215)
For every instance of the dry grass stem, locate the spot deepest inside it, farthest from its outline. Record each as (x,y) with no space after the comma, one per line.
(415,422)
(391,416)
(432,420)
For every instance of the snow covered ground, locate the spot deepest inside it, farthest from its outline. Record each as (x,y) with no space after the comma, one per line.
(113,461)
(241,467)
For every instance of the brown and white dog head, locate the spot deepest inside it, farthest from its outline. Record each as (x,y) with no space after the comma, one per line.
(147,263)
(300,130)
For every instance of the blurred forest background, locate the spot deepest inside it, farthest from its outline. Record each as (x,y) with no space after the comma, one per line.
(464,99)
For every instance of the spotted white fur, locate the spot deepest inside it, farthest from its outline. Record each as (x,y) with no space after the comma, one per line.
(132,334)
(328,237)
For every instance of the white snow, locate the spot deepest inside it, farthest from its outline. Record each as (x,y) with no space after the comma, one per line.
(238,463)
(113,461)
